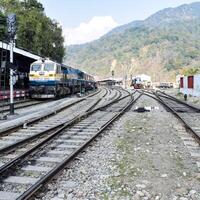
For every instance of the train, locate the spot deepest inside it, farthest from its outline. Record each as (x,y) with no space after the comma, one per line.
(49,79)
(138,84)
(141,81)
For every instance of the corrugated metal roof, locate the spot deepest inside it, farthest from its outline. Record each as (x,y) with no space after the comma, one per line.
(20,51)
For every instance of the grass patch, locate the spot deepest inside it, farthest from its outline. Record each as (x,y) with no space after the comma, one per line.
(179,94)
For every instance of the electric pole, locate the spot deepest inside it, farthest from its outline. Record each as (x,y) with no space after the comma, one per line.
(113,74)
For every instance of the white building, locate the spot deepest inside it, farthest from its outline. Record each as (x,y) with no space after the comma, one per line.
(142,78)
(190,85)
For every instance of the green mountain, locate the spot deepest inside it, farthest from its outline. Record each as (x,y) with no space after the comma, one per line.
(160,46)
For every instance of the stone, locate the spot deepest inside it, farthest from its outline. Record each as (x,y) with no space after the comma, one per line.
(141,194)
(183,198)
(142,186)
(61,195)
(69,184)
(8,195)
(70,196)
(163,175)
(56,198)
(136,197)
(192,192)
(174,198)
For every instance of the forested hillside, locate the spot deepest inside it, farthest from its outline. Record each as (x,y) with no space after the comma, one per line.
(35,31)
(162,46)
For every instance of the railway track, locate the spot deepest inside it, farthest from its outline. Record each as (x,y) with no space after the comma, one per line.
(36,129)
(25,171)
(43,115)
(181,105)
(19,105)
(5,107)
(187,114)
(6,103)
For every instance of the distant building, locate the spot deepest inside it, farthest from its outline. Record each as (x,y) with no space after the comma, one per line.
(190,85)
(110,81)
(143,78)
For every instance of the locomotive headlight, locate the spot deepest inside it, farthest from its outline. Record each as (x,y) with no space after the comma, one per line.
(51,75)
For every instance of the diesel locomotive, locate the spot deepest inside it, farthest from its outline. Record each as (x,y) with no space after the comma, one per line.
(49,79)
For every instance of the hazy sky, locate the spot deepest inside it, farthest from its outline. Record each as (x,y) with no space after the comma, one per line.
(86,20)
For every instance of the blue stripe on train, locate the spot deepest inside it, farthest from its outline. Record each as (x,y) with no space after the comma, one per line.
(52,83)
(36,83)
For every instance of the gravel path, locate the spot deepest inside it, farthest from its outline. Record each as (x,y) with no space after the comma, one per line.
(141,157)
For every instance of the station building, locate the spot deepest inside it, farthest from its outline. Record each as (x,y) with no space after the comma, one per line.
(21,60)
(110,81)
(190,85)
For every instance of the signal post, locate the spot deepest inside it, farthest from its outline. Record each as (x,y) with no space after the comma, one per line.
(11,24)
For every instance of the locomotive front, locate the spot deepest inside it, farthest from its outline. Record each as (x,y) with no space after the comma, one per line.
(44,77)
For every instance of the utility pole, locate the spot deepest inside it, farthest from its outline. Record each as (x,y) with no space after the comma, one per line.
(11,23)
(125,81)
(113,74)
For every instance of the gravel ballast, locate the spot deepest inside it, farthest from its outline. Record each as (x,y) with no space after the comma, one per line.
(142,156)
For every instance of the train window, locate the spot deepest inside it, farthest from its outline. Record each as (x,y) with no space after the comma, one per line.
(49,67)
(36,68)
(58,69)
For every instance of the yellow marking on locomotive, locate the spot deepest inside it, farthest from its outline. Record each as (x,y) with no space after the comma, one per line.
(46,76)
(33,76)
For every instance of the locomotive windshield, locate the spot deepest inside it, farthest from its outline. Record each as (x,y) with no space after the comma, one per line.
(36,67)
(49,67)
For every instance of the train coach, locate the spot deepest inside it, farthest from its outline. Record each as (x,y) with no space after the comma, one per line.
(49,79)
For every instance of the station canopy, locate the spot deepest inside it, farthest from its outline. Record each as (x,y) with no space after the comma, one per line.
(22,58)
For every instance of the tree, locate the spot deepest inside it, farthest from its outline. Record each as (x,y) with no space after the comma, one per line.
(189,71)
(31,5)
(2,26)
(35,31)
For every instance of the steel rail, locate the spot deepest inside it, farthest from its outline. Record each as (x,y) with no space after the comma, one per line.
(52,136)
(94,105)
(186,125)
(34,188)
(28,139)
(16,102)
(164,95)
(34,120)
(25,106)
(178,100)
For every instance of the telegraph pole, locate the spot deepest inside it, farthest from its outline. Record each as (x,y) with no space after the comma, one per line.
(113,74)
(11,23)
(125,81)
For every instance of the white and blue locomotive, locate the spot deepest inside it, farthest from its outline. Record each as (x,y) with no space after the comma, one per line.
(48,79)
